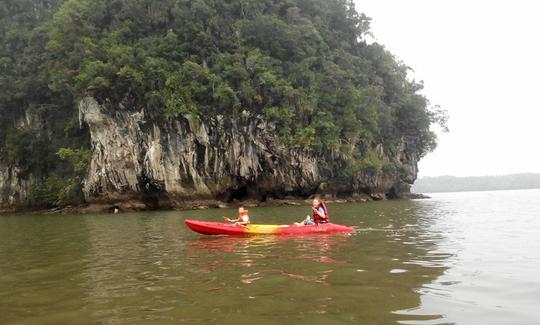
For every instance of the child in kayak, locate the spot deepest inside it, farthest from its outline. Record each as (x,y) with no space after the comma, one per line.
(320,214)
(242,220)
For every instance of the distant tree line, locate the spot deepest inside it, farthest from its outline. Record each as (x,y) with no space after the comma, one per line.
(477,183)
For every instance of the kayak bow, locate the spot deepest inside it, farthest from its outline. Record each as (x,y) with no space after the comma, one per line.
(220,228)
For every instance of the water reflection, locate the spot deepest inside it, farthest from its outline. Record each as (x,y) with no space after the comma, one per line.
(378,274)
(213,253)
(405,247)
(131,269)
(144,267)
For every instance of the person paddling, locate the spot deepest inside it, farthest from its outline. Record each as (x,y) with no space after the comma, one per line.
(242,220)
(320,214)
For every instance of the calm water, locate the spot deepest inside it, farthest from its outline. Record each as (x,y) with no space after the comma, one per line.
(466,258)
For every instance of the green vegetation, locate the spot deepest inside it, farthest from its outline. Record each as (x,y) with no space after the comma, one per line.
(303,64)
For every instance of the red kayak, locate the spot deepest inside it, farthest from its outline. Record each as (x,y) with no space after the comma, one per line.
(220,228)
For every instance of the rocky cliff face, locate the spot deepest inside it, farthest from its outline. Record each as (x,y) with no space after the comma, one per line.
(14,187)
(140,161)
(164,163)
(15,183)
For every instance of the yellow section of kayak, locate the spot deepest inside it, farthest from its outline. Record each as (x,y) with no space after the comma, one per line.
(262,229)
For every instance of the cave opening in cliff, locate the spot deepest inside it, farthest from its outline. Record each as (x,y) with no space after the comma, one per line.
(244,192)
(392,193)
(152,193)
(238,194)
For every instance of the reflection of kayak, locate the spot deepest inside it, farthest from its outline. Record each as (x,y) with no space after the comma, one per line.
(219,228)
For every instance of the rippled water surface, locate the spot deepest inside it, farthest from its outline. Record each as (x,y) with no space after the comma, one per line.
(466,258)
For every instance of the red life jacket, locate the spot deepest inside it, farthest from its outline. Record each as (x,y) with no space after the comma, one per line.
(317,218)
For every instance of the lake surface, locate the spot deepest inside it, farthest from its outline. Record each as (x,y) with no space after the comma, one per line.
(465,258)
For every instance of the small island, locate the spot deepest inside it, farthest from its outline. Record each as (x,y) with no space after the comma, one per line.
(161,104)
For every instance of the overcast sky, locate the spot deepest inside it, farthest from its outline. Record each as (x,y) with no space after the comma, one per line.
(479,60)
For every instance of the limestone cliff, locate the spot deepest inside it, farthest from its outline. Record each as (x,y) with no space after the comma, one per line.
(16,182)
(141,162)
(14,187)
(168,162)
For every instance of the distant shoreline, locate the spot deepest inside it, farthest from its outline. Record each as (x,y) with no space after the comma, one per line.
(441,184)
(499,190)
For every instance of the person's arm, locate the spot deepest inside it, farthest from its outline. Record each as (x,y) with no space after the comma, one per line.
(229,220)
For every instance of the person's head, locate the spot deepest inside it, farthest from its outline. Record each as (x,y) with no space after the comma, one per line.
(242,211)
(316,202)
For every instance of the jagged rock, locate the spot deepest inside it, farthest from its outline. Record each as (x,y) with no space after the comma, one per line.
(14,187)
(140,162)
(178,160)
(378,196)
(292,203)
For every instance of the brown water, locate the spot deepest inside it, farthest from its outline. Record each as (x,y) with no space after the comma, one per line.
(467,258)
